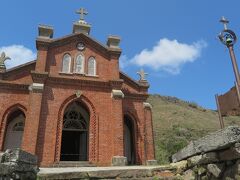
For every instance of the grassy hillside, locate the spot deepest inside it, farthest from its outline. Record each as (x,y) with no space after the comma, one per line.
(177,122)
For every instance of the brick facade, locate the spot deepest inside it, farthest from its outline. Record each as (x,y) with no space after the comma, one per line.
(42,92)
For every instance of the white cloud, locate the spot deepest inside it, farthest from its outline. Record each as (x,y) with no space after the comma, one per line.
(18,54)
(169,55)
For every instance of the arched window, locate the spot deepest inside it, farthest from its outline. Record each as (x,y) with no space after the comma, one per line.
(79,64)
(66,63)
(92,66)
(14,130)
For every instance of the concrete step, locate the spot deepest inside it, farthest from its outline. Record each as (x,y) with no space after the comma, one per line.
(124,172)
(74,164)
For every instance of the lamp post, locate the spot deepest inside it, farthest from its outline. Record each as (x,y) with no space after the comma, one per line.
(229,38)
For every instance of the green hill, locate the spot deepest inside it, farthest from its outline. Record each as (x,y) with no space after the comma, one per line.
(177,122)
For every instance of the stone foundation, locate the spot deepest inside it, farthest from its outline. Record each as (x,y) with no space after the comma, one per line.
(217,160)
(17,164)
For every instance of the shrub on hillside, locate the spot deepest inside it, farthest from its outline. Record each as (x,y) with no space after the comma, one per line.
(171,141)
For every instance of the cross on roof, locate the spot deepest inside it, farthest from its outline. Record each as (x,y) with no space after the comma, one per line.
(142,75)
(225,22)
(82,12)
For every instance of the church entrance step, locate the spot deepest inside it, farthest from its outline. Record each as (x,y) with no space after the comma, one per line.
(74,164)
(113,172)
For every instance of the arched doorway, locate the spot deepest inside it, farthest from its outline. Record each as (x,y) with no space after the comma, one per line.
(14,130)
(129,140)
(75,133)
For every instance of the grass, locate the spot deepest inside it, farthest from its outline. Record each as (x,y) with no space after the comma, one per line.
(178,122)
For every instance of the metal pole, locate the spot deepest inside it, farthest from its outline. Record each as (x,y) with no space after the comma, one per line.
(219,113)
(234,63)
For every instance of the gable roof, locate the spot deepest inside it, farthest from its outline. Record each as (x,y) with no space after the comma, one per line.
(78,36)
(137,85)
(21,66)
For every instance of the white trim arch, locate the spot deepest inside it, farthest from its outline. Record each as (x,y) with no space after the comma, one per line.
(66,63)
(79,65)
(92,70)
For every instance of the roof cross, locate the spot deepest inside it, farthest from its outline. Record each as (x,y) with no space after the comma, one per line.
(225,22)
(3,58)
(82,12)
(142,75)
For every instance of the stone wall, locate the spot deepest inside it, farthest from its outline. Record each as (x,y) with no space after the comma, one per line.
(216,156)
(17,164)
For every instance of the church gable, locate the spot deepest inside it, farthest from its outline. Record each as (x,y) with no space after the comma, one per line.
(77,55)
(80,56)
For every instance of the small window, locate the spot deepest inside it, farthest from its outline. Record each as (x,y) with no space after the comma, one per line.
(79,64)
(66,64)
(92,66)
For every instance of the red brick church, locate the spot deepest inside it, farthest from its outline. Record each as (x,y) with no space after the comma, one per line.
(72,104)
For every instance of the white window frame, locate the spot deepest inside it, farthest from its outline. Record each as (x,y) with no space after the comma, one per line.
(95,66)
(69,65)
(83,64)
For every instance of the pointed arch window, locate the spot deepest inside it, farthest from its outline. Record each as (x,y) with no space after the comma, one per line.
(66,63)
(92,66)
(79,64)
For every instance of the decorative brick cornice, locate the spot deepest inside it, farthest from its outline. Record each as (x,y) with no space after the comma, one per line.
(116,84)
(80,82)
(12,86)
(137,97)
(39,77)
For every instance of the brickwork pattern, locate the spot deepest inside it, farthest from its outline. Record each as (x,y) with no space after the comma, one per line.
(44,109)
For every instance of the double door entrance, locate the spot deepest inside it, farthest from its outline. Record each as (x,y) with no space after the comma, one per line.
(75,133)
(74,146)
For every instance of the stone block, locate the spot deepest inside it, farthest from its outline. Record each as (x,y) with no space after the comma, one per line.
(215,169)
(17,155)
(117,94)
(230,154)
(218,140)
(180,166)
(81,28)
(151,163)
(17,164)
(189,175)
(113,42)
(207,158)
(119,161)
(45,31)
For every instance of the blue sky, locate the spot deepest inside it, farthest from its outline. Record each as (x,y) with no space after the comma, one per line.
(173,40)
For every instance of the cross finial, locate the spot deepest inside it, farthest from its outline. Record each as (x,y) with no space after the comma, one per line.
(3,58)
(142,75)
(82,12)
(225,22)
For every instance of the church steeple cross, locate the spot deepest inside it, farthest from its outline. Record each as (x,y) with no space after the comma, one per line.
(225,22)
(82,12)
